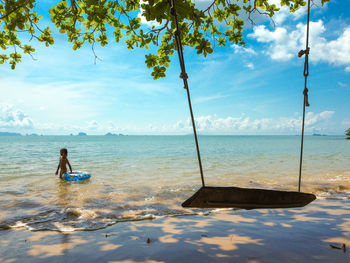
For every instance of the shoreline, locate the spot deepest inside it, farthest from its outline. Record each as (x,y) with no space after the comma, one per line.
(315,233)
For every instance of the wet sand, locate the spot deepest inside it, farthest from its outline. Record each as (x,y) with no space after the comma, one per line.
(310,234)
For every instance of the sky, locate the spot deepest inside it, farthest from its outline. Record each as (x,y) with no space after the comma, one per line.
(235,91)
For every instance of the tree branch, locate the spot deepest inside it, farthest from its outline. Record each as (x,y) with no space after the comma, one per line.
(14,10)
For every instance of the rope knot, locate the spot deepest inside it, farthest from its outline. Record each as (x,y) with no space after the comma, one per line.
(303,52)
(183,75)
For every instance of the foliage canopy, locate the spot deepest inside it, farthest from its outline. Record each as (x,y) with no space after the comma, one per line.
(219,22)
(347,132)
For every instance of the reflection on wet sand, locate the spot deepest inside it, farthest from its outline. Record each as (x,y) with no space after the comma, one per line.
(52,250)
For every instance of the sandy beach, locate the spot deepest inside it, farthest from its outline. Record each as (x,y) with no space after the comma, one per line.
(130,210)
(315,233)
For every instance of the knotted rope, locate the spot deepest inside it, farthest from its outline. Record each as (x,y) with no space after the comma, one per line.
(184,77)
(305,91)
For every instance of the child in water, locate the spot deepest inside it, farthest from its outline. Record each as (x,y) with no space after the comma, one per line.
(63,162)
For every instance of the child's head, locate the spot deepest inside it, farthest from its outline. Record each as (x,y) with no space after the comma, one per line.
(64,151)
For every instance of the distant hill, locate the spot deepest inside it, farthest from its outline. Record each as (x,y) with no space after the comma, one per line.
(10,134)
(32,134)
(113,134)
(82,134)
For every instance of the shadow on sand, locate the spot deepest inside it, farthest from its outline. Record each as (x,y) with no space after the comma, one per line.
(281,235)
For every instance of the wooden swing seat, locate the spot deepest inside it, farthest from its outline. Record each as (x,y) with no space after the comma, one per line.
(246,198)
(235,197)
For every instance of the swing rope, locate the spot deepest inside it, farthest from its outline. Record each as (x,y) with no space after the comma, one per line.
(305,92)
(184,77)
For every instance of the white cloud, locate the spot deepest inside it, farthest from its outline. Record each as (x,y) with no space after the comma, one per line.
(341,84)
(246,125)
(243,50)
(312,118)
(92,125)
(11,118)
(209,98)
(284,45)
(250,65)
(347,69)
(346,122)
(231,124)
(284,12)
(210,124)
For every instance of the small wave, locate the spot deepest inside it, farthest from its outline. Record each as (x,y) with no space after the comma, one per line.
(78,219)
(79,213)
(340,192)
(222,209)
(205,213)
(19,224)
(64,228)
(102,213)
(149,216)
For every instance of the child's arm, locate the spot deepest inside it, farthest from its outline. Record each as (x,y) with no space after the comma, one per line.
(70,167)
(58,167)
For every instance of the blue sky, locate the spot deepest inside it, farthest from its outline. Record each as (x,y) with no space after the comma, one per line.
(235,90)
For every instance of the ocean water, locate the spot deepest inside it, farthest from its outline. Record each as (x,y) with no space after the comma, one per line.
(144,177)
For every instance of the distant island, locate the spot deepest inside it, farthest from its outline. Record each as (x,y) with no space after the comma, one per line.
(110,134)
(317,134)
(18,134)
(10,134)
(71,134)
(113,134)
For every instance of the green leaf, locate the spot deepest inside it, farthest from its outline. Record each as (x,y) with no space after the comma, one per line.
(91,22)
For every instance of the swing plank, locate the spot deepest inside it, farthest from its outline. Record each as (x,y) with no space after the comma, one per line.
(246,198)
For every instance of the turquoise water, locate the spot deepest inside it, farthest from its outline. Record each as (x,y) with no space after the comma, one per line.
(141,177)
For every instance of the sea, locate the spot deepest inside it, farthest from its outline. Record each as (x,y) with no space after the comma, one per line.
(146,177)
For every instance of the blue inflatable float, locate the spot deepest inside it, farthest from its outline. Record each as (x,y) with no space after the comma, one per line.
(76,176)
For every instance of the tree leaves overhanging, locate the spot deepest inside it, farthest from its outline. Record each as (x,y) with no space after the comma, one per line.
(93,21)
